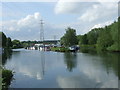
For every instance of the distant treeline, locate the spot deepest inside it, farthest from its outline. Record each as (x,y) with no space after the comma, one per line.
(107,38)
(7,43)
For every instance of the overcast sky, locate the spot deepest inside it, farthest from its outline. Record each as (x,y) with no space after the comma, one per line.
(21,20)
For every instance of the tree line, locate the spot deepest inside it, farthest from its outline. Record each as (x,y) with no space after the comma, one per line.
(7,43)
(105,38)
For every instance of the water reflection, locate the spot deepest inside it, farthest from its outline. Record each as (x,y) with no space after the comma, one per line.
(42,64)
(109,60)
(6,55)
(36,69)
(28,64)
(77,81)
(70,60)
(93,73)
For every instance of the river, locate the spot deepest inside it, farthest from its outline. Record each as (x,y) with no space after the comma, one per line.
(47,69)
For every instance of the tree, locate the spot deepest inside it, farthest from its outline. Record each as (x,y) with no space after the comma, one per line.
(92,37)
(0,39)
(17,44)
(8,43)
(3,39)
(104,41)
(69,37)
(84,39)
(79,38)
(115,33)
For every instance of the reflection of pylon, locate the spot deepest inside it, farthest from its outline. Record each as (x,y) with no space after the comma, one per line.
(42,63)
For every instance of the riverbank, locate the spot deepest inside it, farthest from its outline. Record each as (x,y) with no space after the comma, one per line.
(59,49)
(5,74)
(83,48)
(6,78)
(96,48)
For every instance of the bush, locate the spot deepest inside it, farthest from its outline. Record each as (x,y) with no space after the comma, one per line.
(114,47)
(6,78)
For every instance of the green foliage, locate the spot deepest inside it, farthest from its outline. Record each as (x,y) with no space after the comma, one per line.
(107,38)
(16,44)
(69,37)
(104,41)
(93,36)
(8,43)
(60,49)
(84,39)
(6,55)
(79,38)
(6,78)
(0,39)
(87,48)
(3,39)
(113,47)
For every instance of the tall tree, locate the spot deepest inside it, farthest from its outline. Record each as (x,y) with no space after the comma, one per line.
(92,37)
(3,39)
(69,37)
(8,43)
(104,41)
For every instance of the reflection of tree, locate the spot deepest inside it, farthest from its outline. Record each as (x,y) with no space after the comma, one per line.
(6,55)
(70,60)
(110,61)
(119,67)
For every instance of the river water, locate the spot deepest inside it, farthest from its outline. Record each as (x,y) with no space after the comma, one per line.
(38,69)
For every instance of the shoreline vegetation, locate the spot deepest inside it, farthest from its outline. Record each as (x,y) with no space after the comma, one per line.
(59,49)
(6,75)
(101,39)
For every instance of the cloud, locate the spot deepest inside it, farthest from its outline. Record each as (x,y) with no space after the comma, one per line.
(30,19)
(28,28)
(102,24)
(89,14)
(100,11)
(88,11)
(70,7)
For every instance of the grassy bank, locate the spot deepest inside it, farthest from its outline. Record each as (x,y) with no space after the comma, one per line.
(87,48)
(59,49)
(97,48)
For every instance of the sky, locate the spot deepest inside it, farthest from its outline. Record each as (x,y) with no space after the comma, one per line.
(21,20)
